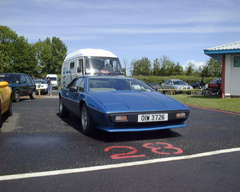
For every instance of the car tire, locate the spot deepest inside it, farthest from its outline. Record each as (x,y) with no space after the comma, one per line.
(63,112)
(33,94)
(16,96)
(87,125)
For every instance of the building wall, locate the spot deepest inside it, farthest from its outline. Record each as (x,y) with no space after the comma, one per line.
(232,77)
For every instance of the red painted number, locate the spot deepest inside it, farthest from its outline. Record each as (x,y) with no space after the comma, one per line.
(124,155)
(166,146)
(158,150)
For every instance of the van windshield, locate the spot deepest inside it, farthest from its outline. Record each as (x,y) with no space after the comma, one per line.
(105,65)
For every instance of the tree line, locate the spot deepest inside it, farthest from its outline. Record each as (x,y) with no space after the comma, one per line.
(37,59)
(164,66)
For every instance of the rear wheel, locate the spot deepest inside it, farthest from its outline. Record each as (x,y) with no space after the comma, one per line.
(63,112)
(16,96)
(86,120)
(33,94)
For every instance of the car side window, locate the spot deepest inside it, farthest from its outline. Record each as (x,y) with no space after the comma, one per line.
(28,79)
(80,84)
(22,79)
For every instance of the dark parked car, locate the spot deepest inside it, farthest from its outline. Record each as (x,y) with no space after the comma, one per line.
(215,85)
(119,104)
(196,85)
(154,86)
(22,84)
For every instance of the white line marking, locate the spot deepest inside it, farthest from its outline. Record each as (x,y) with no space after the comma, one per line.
(102,167)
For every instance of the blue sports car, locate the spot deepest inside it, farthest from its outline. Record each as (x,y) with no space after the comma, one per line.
(119,104)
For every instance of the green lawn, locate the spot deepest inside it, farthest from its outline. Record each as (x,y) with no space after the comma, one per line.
(214,102)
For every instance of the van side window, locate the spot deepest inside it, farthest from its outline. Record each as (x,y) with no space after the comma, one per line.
(80,66)
(71,65)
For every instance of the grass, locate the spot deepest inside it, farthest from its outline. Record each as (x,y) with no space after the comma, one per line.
(214,102)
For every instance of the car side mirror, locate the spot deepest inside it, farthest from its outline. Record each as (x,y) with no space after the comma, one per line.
(72,89)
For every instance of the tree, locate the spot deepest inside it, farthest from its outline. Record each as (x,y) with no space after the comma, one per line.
(24,58)
(189,69)
(141,67)
(125,66)
(213,68)
(177,70)
(156,67)
(59,52)
(51,54)
(7,41)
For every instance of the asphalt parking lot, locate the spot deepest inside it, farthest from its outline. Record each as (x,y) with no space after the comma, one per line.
(42,152)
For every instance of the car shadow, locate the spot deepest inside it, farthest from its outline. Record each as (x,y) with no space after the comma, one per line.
(3,119)
(108,137)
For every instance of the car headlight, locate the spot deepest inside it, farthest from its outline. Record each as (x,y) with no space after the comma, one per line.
(181,115)
(121,118)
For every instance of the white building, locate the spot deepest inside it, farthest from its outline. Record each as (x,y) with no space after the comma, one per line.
(229,55)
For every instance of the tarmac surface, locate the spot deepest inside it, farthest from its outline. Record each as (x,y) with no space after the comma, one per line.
(42,152)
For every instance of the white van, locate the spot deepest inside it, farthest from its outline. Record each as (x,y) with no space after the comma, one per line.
(54,80)
(89,62)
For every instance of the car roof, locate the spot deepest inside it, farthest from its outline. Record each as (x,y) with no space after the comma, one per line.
(13,73)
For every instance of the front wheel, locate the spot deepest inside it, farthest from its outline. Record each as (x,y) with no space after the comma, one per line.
(86,120)
(63,112)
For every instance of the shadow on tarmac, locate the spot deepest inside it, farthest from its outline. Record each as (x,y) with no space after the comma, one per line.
(108,137)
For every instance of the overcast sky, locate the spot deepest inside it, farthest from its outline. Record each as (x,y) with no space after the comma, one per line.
(131,29)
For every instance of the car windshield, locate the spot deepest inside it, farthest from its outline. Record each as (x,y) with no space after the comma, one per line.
(108,65)
(179,83)
(53,78)
(10,78)
(116,84)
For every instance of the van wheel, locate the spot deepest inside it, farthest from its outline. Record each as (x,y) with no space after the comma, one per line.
(33,94)
(16,96)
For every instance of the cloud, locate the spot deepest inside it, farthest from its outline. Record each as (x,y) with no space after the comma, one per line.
(196,64)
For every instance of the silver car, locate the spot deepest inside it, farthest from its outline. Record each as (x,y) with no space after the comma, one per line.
(176,84)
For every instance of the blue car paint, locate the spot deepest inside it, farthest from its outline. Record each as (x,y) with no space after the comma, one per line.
(101,104)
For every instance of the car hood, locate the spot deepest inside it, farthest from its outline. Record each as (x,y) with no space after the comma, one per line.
(121,101)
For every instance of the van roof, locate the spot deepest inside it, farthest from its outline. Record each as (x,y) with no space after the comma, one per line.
(90,52)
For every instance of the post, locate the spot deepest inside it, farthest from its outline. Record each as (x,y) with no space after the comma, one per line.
(223,76)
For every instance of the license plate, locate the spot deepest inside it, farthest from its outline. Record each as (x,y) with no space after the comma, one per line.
(152,117)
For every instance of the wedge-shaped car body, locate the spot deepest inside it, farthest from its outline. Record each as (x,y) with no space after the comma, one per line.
(119,104)
(5,100)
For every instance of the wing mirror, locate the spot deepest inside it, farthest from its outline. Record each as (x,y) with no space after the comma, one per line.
(72,89)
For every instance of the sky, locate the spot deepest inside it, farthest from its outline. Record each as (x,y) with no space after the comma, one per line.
(131,29)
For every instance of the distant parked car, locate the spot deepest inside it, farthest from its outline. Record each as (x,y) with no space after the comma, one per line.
(215,85)
(41,85)
(176,84)
(196,85)
(154,86)
(5,100)
(22,84)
